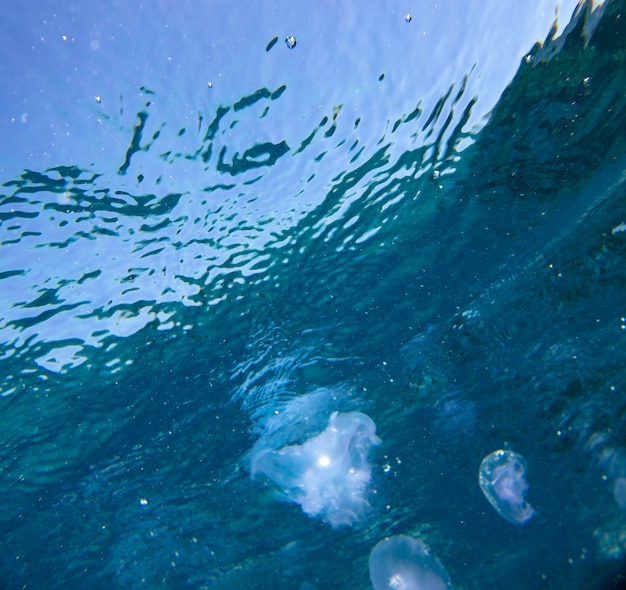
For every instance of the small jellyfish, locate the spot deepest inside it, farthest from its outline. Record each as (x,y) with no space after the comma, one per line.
(405,563)
(502,478)
(619,491)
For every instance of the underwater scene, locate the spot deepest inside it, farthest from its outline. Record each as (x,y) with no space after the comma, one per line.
(313,296)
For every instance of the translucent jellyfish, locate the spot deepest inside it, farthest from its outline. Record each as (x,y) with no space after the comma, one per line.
(328,475)
(502,478)
(404,563)
(619,491)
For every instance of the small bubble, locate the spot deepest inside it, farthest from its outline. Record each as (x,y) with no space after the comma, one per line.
(210,84)
(528,59)
(408,18)
(291,41)
(586,81)
(98,99)
(436,174)
(143,502)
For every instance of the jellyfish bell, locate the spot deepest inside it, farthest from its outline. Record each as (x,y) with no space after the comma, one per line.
(404,563)
(619,491)
(328,475)
(502,479)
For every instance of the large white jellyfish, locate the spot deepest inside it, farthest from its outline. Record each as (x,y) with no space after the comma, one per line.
(502,478)
(328,475)
(404,563)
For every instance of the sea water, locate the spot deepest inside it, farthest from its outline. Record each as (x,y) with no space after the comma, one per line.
(212,243)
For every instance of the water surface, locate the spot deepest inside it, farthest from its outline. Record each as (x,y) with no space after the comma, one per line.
(420,219)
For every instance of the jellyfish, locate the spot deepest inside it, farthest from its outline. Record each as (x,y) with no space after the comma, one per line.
(619,491)
(502,478)
(405,563)
(327,475)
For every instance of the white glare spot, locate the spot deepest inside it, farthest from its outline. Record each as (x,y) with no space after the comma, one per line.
(323,461)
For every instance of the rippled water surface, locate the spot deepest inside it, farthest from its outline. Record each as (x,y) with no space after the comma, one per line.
(210,242)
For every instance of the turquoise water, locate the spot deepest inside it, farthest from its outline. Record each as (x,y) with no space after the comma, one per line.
(391,235)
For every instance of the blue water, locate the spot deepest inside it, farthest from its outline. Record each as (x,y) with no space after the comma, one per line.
(211,242)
